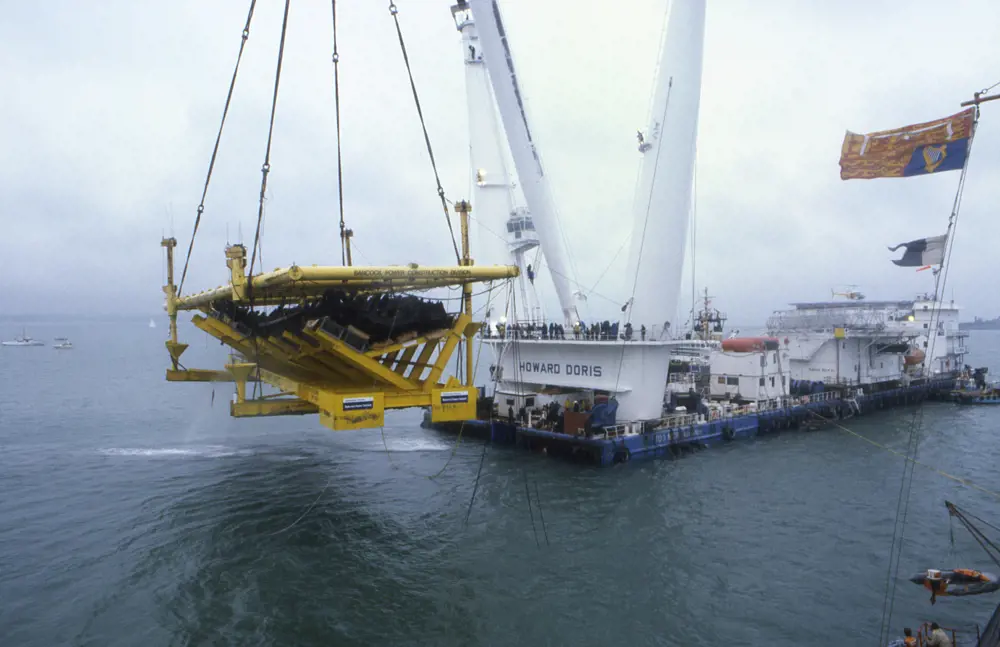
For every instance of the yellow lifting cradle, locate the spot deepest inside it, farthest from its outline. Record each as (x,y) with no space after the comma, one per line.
(325,368)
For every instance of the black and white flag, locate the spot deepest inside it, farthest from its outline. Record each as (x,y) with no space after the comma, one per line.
(922,252)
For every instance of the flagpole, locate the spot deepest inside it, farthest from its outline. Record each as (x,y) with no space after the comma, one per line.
(978,98)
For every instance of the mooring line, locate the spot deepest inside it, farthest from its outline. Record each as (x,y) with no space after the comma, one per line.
(957,479)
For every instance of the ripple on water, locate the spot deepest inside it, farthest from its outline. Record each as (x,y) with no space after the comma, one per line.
(178,526)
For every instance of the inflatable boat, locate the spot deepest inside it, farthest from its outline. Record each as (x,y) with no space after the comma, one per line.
(959,581)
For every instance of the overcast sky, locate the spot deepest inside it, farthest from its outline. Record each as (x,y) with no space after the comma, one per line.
(109,111)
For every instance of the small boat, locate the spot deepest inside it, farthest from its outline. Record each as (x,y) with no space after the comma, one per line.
(956,582)
(23,340)
(152,324)
(63,344)
(981,396)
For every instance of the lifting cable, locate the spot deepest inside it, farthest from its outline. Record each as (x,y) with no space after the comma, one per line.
(394,11)
(340,168)
(940,282)
(266,168)
(642,243)
(976,533)
(218,139)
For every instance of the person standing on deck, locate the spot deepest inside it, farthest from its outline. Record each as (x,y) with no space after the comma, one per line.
(938,638)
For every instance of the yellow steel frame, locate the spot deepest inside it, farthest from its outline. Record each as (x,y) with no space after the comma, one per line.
(315,371)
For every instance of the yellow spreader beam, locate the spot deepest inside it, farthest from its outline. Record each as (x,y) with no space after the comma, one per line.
(319,371)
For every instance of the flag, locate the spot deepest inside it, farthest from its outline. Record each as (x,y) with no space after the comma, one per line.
(919,149)
(921,252)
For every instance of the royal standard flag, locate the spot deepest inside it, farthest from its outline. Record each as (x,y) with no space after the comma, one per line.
(931,147)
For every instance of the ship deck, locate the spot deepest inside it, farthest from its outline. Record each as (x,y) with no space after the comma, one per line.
(675,440)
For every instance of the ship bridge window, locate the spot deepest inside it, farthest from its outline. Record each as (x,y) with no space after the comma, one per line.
(520,224)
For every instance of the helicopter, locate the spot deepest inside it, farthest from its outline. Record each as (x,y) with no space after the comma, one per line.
(851,294)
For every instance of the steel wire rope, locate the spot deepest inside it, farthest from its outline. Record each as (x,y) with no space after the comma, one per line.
(642,240)
(516,349)
(266,168)
(940,283)
(531,514)
(394,12)
(694,238)
(461,430)
(538,502)
(984,542)
(482,458)
(545,264)
(979,519)
(340,167)
(215,149)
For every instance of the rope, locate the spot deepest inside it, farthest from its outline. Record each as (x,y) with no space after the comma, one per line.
(461,429)
(907,458)
(515,348)
(977,534)
(266,168)
(475,486)
(694,239)
(307,510)
(979,519)
(340,167)
(394,11)
(940,282)
(527,494)
(642,240)
(991,87)
(898,529)
(538,502)
(215,149)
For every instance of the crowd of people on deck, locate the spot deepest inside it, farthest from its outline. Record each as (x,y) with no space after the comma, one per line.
(603,331)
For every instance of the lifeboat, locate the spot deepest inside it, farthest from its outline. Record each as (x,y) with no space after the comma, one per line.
(749,344)
(957,582)
(914,357)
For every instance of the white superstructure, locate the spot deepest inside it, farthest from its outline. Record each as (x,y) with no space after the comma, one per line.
(503,231)
(760,374)
(499,62)
(634,371)
(867,342)
(662,206)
